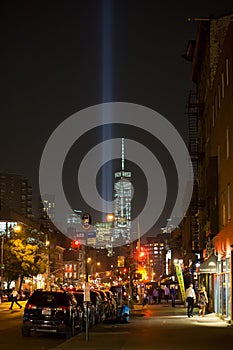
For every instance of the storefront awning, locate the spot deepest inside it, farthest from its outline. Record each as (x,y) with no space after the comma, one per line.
(209,266)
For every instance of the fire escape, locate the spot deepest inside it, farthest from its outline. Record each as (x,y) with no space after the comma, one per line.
(193,111)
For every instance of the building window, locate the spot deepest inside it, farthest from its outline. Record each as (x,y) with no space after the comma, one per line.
(227,72)
(228,202)
(227,143)
(223,85)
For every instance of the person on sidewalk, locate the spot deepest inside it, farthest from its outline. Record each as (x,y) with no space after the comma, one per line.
(173,296)
(202,301)
(155,295)
(191,299)
(166,293)
(14,296)
(159,295)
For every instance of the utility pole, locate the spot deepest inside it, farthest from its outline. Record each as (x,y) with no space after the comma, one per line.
(86,225)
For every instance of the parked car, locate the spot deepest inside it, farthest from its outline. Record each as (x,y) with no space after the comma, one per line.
(5,295)
(50,311)
(97,303)
(120,293)
(79,295)
(112,304)
(106,303)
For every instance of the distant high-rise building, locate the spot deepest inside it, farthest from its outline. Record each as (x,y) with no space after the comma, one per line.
(122,199)
(155,248)
(74,223)
(103,234)
(15,193)
(47,206)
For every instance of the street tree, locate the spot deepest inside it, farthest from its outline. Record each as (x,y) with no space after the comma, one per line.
(25,254)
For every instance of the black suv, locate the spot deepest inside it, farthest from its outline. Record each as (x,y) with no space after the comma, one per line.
(48,311)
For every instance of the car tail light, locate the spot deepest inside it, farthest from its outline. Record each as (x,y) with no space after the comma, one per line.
(30,306)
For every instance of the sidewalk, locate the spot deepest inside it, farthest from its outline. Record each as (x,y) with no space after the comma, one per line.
(112,336)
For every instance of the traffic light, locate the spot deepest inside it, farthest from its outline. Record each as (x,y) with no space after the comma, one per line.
(75,244)
(86,219)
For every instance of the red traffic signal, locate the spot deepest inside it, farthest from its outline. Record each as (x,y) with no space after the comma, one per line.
(75,244)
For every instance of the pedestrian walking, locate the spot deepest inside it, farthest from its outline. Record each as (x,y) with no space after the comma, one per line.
(14,295)
(191,299)
(173,296)
(145,298)
(202,301)
(166,293)
(159,295)
(155,295)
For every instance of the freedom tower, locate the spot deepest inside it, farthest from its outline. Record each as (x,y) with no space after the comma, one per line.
(122,199)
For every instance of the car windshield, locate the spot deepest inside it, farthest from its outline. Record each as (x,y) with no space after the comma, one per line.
(49,299)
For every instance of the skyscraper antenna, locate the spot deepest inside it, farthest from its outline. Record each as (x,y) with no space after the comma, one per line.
(122,154)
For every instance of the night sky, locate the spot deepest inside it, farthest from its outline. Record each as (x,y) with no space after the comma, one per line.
(60,57)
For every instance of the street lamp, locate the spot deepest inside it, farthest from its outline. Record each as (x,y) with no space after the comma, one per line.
(110,217)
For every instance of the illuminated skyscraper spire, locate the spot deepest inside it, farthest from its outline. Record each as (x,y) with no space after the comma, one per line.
(122,198)
(122,154)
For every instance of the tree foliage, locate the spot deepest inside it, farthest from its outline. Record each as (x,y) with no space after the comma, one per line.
(24,254)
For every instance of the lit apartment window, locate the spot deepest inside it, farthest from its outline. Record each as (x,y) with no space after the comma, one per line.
(227,143)
(228,202)
(223,85)
(227,72)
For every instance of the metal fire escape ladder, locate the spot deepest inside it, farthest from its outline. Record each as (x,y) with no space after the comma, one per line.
(193,110)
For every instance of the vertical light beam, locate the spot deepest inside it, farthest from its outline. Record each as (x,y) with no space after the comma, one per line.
(107,185)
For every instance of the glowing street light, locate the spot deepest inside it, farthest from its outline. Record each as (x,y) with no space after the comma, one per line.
(17,228)
(110,217)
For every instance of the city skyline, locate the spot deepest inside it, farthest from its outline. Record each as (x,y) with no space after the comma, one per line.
(50,72)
